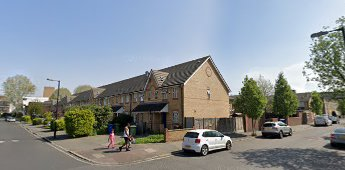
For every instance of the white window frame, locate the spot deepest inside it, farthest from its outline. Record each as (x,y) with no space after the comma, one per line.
(135,97)
(165,93)
(174,92)
(175,117)
(122,99)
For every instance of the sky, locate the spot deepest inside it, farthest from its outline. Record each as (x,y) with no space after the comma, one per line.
(100,42)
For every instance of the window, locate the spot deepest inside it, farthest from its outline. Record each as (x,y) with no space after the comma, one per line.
(175,117)
(156,94)
(141,97)
(165,94)
(122,99)
(105,102)
(136,97)
(127,98)
(208,93)
(174,92)
(192,135)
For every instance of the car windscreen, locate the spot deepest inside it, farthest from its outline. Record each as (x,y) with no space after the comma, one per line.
(342,130)
(191,135)
(269,124)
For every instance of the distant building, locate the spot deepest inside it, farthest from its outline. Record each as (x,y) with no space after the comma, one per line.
(5,106)
(28,100)
(48,91)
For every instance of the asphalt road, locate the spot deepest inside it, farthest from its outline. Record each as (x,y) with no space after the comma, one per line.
(307,149)
(21,150)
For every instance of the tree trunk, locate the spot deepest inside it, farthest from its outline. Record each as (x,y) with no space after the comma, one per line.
(253,127)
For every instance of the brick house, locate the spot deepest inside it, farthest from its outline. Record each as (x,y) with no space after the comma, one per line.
(166,98)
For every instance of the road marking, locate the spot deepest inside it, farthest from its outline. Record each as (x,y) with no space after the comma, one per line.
(150,150)
(2,141)
(14,140)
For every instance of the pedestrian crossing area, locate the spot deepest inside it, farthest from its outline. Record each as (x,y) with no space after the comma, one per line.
(9,141)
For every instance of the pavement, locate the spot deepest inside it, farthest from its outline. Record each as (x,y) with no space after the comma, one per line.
(94,149)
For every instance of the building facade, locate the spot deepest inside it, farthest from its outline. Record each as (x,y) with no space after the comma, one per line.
(165,98)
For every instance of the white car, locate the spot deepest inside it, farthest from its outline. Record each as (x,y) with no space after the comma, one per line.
(204,140)
(10,119)
(276,129)
(322,120)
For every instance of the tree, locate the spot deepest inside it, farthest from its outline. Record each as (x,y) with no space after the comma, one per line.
(327,60)
(285,102)
(267,89)
(265,86)
(82,88)
(62,93)
(341,106)
(17,87)
(251,101)
(316,103)
(35,109)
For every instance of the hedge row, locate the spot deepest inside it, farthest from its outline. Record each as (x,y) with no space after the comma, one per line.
(79,122)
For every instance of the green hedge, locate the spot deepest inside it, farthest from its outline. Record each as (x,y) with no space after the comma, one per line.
(37,121)
(60,124)
(26,119)
(79,122)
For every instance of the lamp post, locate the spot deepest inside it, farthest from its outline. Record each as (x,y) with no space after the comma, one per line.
(57,105)
(321,33)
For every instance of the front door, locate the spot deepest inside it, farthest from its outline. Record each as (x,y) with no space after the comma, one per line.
(164,119)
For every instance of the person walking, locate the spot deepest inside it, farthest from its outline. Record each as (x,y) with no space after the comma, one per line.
(126,137)
(111,139)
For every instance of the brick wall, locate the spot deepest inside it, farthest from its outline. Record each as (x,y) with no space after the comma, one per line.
(197,104)
(175,135)
(294,121)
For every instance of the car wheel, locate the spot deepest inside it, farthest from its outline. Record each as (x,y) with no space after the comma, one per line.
(290,133)
(281,135)
(333,144)
(228,145)
(204,150)
(264,135)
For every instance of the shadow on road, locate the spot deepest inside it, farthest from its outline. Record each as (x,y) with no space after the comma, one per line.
(193,154)
(272,137)
(293,158)
(236,135)
(337,147)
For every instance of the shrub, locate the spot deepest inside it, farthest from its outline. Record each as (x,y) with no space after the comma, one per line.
(26,119)
(79,122)
(19,115)
(102,115)
(60,124)
(48,115)
(122,120)
(37,121)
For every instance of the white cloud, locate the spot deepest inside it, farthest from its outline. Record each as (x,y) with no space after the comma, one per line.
(293,74)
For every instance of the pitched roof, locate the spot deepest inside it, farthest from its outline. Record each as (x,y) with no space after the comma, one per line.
(125,86)
(159,76)
(175,75)
(180,73)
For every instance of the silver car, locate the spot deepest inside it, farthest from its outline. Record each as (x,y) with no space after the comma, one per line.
(338,136)
(322,121)
(279,129)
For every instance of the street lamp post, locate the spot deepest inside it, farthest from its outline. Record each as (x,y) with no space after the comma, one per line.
(321,33)
(57,105)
